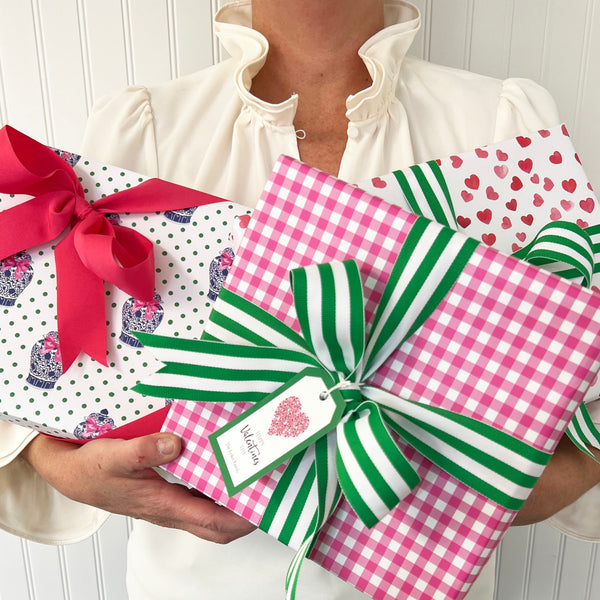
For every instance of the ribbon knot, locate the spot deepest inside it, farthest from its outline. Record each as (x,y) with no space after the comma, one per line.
(93,250)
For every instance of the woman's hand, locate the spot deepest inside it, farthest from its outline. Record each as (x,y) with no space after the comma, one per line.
(117,476)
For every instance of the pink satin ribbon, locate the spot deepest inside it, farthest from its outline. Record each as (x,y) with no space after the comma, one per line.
(94,250)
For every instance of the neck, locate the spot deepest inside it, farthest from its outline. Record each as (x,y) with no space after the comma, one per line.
(313,43)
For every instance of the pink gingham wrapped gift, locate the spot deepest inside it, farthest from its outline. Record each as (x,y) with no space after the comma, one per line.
(510,345)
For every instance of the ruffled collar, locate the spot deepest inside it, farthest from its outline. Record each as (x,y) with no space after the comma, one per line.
(382,54)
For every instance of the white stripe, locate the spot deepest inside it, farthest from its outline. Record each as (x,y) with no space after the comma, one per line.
(315,315)
(343,324)
(439,193)
(217,385)
(242,363)
(419,197)
(460,432)
(332,481)
(426,290)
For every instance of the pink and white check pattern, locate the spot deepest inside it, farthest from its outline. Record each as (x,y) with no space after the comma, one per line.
(510,345)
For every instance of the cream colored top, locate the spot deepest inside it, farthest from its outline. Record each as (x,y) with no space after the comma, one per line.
(208,131)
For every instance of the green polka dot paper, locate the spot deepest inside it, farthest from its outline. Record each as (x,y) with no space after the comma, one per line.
(193,250)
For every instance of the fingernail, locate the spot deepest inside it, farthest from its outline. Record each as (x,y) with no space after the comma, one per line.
(165,446)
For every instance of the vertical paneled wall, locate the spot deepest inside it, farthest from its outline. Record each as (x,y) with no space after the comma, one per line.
(58,56)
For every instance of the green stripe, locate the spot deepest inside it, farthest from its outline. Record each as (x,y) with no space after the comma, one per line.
(280,491)
(437,172)
(299,285)
(226,374)
(353,496)
(357,311)
(295,509)
(177,393)
(329,316)
(432,200)
(445,285)
(408,193)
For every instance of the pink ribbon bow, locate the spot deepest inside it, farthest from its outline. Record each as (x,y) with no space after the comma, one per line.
(94,250)
(226,261)
(151,307)
(91,427)
(51,344)
(21,266)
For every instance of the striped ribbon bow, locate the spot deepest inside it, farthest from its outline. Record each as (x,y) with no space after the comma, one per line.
(359,457)
(560,247)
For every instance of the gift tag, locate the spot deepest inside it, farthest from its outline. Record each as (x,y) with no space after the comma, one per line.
(277,428)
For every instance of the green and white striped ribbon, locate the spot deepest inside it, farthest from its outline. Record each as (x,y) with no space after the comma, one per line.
(360,457)
(560,247)
(426,192)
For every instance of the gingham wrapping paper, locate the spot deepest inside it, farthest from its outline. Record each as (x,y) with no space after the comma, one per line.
(492,333)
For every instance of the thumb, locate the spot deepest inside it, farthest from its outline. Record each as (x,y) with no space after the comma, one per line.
(150,451)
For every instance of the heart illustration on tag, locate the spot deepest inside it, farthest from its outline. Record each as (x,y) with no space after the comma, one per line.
(289,420)
(378,182)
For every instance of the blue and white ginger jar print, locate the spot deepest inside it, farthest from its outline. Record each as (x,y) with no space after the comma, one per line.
(95,425)
(16,273)
(140,316)
(46,362)
(181,215)
(218,270)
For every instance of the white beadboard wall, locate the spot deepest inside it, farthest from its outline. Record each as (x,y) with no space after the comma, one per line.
(58,56)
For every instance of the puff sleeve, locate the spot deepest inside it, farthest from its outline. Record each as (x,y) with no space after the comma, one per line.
(523,106)
(120,131)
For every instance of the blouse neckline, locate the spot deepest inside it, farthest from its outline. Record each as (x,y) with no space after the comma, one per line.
(383,55)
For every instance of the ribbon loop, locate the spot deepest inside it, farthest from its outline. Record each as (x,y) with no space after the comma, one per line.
(330,309)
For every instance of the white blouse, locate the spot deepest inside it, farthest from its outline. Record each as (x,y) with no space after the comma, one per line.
(207,131)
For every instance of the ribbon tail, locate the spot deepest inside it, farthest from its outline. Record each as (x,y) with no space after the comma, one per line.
(490,461)
(209,371)
(373,472)
(80,307)
(583,432)
(305,497)
(562,248)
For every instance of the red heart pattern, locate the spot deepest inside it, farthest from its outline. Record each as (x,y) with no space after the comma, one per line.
(528,181)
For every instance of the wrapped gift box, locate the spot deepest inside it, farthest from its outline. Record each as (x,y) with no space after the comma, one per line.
(510,345)
(503,194)
(193,249)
